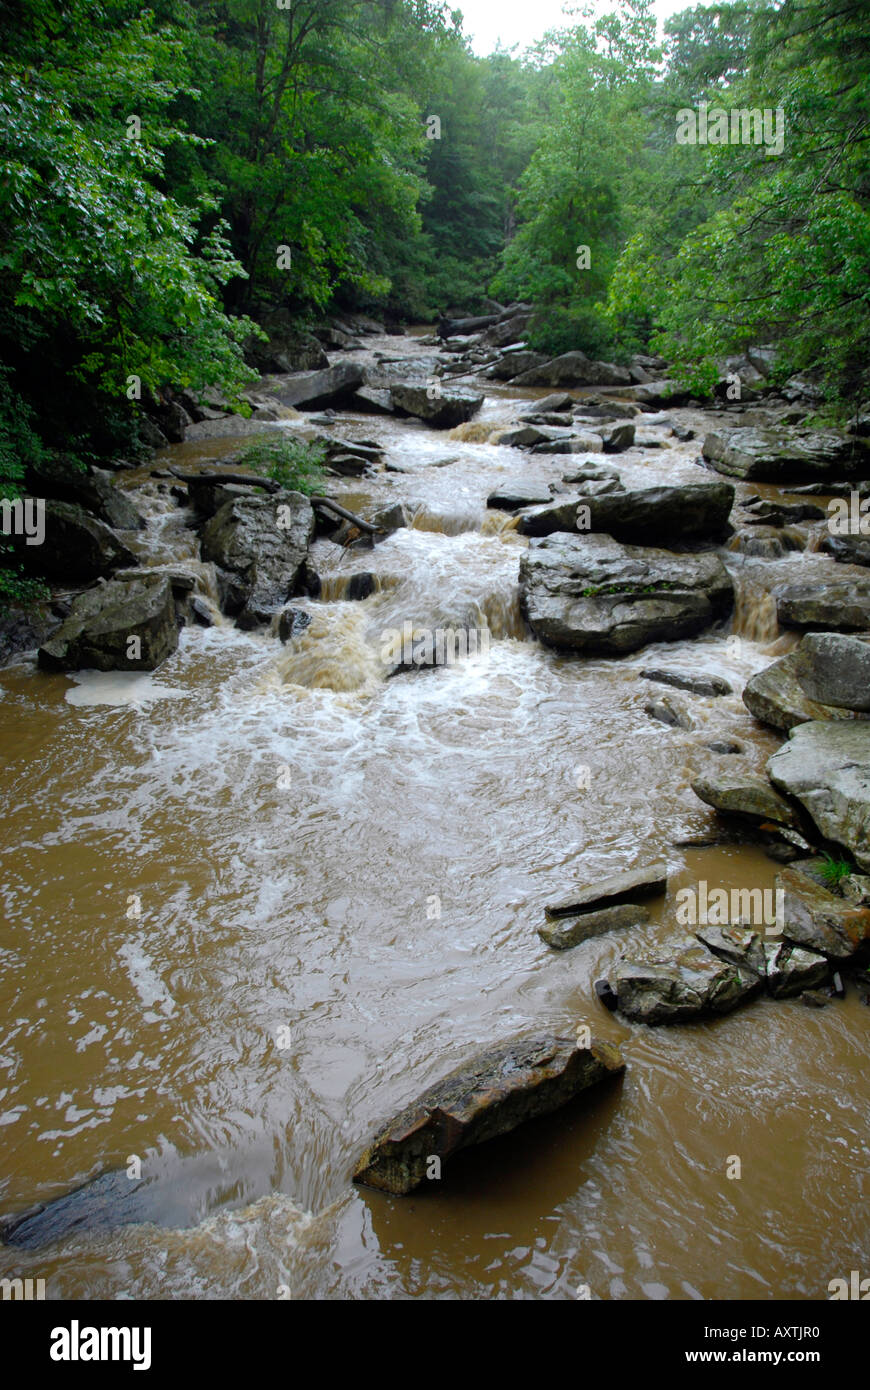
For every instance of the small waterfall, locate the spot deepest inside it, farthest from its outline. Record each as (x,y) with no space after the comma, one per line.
(754,612)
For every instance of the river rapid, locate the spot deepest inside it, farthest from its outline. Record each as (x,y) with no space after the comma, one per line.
(257,902)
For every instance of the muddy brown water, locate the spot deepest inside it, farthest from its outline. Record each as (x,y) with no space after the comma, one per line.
(256,902)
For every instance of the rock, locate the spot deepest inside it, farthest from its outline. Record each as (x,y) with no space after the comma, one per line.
(264,542)
(571,931)
(682,512)
(605,994)
(790,969)
(856,889)
(97,633)
(77,547)
(738,944)
(607,892)
(820,920)
(360,586)
(201,612)
(292,622)
(513,364)
(208,495)
(572,444)
(782,513)
(591,594)
(528,435)
(775,697)
(843,605)
(670,988)
(314,390)
(724,746)
(616,438)
(592,472)
(371,400)
(667,710)
(512,497)
(815,998)
(508,331)
(347,466)
(826,766)
(599,408)
(574,369)
(558,515)
(847,550)
(444,413)
(94,490)
(659,393)
(492,1094)
(558,401)
(741,794)
(782,455)
(833,669)
(699,685)
(393,518)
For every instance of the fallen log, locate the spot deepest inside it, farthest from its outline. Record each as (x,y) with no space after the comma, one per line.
(244,479)
(326,503)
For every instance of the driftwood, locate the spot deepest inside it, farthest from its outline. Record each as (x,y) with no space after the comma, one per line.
(245,479)
(328,504)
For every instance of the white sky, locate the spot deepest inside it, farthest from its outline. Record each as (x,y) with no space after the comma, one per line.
(523,22)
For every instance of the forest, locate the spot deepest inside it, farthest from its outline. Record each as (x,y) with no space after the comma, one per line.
(176,175)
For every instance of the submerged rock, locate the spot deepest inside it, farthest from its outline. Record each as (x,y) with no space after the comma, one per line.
(492,1094)
(591,594)
(511,497)
(698,685)
(571,931)
(103,620)
(667,710)
(826,766)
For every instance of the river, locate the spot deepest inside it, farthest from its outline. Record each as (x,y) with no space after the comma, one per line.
(257,902)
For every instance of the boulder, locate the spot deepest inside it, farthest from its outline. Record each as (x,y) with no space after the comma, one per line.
(97,633)
(699,685)
(591,472)
(775,696)
(94,490)
(292,622)
(371,400)
(591,594)
(791,969)
(527,435)
(574,369)
(674,987)
(616,438)
(208,494)
(607,892)
(571,931)
(447,410)
(741,794)
(583,443)
(558,401)
(513,364)
(490,1095)
(843,605)
(393,518)
(777,514)
(834,669)
(826,766)
(782,455)
(263,541)
(680,512)
(314,390)
(77,547)
(813,917)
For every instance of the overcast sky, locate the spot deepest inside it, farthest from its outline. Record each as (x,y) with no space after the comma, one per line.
(524,21)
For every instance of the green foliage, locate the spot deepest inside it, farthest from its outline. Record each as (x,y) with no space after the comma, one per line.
(294,464)
(833,871)
(582,327)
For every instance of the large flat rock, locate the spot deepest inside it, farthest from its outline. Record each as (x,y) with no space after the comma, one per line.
(826,766)
(616,888)
(492,1094)
(742,794)
(680,512)
(782,455)
(574,369)
(314,390)
(589,593)
(444,412)
(842,605)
